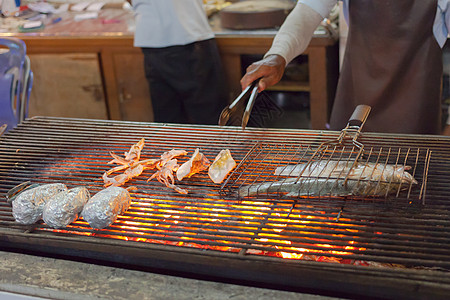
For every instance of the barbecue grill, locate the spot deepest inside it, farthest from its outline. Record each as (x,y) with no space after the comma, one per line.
(394,248)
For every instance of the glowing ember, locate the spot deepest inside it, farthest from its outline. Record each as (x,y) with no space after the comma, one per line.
(299,236)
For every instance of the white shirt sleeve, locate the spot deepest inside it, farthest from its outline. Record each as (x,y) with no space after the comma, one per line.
(323,7)
(296,32)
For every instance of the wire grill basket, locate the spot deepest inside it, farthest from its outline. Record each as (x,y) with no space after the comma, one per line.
(342,167)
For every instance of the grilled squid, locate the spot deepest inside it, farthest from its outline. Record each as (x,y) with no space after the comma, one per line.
(221,166)
(64,207)
(197,163)
(105,206)
(27,208)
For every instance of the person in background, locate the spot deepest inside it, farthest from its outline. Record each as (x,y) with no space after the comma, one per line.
(181,61)
(393,60)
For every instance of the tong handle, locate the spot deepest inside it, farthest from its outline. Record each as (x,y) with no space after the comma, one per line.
(239,98)
(360,115)
(250,104)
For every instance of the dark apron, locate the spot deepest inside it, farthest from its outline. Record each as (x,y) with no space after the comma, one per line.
(392,63)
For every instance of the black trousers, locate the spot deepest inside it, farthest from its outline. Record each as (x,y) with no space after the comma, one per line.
(186,83)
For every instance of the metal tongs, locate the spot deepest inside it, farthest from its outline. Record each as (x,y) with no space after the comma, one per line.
(3,128)
(232,108)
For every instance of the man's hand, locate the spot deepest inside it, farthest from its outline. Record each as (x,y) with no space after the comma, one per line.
(270,70)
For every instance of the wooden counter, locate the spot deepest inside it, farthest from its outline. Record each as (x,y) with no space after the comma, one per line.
(120,86)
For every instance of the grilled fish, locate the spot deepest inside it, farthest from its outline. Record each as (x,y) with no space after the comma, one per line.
(340,169)
(333,178)
(63,208)
(105,206)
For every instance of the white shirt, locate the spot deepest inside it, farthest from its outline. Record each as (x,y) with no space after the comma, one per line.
(164,23)
(295,34)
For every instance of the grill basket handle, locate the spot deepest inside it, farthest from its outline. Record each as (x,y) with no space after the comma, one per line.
(359,116)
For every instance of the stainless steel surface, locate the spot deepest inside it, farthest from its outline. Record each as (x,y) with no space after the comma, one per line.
(73,280)
(249,107)
(230,109)
(233,111)
(370,243)
(238,112)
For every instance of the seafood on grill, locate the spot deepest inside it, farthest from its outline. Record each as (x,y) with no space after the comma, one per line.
(333,178)
(28,206)
(221,166)
(120,179)
(357,171)
(168,155)
(165,175)
(64,207)
(166,166)
(197,163)
(132,166)
(104,207)
(130,163)
(134,154)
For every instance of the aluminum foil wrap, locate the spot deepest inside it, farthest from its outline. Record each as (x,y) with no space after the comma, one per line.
(64,207)
(105,206)
(28,206)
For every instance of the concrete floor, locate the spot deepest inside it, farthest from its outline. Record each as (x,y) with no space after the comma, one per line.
(22,276)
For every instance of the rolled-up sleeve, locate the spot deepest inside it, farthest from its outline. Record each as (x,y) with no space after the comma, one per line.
(323,7)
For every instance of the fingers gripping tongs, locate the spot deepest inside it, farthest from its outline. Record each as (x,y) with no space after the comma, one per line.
(252,89)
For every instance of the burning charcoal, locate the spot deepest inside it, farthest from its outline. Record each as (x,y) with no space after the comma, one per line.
(105,206)
(28,206)
(63,208)
(221,166)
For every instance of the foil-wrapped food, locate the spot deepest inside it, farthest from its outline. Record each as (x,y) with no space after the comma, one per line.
(28,206)
(64,207)
(105,206)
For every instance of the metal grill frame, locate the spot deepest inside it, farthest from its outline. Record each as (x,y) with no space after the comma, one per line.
(321,277)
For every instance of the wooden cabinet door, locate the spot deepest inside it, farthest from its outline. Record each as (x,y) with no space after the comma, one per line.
(67,85)
(132,87)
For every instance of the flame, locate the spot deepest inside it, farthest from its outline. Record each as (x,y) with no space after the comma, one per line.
(283,235)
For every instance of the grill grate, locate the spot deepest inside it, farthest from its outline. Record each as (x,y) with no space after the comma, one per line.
(394,234)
